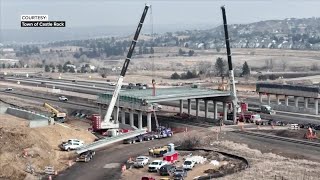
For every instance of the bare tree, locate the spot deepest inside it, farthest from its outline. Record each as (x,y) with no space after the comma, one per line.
(284,65)
(204,67)
(314,67)
(269,64)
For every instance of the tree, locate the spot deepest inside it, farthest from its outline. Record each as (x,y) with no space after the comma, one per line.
(314,67)
(181,52)
(60,68)
(53,69)
(284,65)
(220,66)
(245,69)
(46,68)
(72,70)
(151,50)
(191,52)
(175,76)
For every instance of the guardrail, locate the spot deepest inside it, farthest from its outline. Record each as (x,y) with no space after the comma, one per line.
(110,140)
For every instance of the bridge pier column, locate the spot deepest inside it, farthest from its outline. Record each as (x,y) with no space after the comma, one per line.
(296,101)
(316,101)
(131,118)
(189,106)
(181,106)
(206,109)
(260,98)
(149,121)
(268,96)
(277,99)
(197,108)
(306,102)
(140,119)
(286,99)
(215,110)
(225,111)
(100,110)
(234,117)
(123,116)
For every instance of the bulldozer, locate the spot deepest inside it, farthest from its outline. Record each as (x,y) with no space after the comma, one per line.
(310,134)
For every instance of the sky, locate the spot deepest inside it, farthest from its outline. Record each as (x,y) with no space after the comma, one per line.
(90,13)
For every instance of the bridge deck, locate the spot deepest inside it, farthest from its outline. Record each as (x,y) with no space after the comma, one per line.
(164,94)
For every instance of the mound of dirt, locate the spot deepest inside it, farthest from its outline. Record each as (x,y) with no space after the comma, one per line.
(20,146)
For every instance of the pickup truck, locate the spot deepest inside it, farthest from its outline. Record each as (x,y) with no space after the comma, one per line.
(188,164)
(156,165)
(71,144)
(141,161)
(266,109)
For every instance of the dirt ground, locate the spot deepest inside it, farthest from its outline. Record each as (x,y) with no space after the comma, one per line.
(264,166)
(198,170)
(41,145)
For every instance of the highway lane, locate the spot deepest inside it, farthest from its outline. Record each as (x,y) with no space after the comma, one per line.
(281,117)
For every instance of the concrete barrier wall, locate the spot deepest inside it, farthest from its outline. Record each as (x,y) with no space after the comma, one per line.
(293,109)
(3,109)
(36,120)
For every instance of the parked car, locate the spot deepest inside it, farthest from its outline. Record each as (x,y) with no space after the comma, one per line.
(86,156)
(71,144)
(276,123)
(188,164)
(167,170)
(179,174)
(63,98)
(156,165)
(9,89)
(141,161)
(133,140)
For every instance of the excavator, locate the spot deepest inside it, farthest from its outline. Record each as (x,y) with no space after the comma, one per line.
(108,123)
(56,114)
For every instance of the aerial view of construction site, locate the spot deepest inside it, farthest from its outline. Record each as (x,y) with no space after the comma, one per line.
(159,90)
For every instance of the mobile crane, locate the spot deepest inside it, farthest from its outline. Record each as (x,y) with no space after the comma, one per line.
(231,73)
(107,122)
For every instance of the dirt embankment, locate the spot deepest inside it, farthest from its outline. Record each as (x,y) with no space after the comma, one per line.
(20,146)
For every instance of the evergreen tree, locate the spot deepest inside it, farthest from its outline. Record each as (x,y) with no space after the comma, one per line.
(220,66)
(46,68)
(245,69)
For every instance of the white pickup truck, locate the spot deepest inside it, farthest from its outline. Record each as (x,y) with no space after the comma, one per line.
(71,144)
(156,165)
(141,161)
